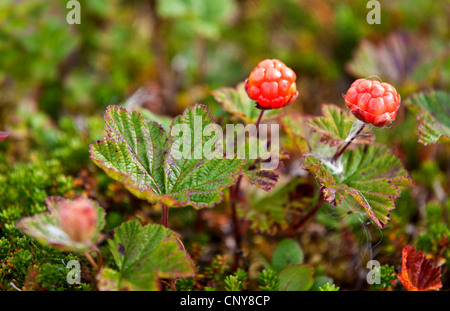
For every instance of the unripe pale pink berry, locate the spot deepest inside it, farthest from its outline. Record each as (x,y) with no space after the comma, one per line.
(78,218)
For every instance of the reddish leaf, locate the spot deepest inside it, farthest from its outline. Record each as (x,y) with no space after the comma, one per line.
(263,179)
(418,273)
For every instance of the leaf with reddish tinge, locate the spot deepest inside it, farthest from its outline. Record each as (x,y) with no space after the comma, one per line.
(433,116)
(396,59)
(143,254)
(418,273)
(268,212)
(263,179)
(369,176)
(336,126)
(297,131)
(142,155)
(47,227)
(264,156)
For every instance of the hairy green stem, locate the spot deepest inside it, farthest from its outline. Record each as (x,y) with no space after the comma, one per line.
(340,151)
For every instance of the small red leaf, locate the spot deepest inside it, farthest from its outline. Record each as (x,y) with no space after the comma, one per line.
(418,273)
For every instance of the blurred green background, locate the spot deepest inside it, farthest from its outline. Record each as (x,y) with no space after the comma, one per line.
(178,50)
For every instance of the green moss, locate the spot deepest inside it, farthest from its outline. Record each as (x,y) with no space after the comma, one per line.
(268,280)
(53,276)
(434,239)
(387,276)
(25,263)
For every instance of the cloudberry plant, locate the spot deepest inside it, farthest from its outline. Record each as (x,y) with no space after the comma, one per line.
(272,84)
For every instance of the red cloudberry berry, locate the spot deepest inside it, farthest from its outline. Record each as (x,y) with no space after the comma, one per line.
(272,84)
(373,101)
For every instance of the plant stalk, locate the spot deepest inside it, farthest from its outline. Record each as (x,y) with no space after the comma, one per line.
(164,215)
(340,151)
(99,257)
(236,228)
(91,260)
(259,121)
(234,193)
(309,215)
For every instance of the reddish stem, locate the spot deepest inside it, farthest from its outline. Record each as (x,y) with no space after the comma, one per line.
(310,213)
(441,251)
(199,222)
(234,192)
(259,121)
(164,215)
(236,228)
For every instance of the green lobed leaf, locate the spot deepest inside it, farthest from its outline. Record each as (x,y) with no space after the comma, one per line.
(433,116)
(45,227)
(268,212)
(262,178)
(143,255)
(237,102)
(203,178)
(368,176)
(287,253)
(336,125)
(140,154)
(264,155)
(301,138)
(164,121)
(296,278)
